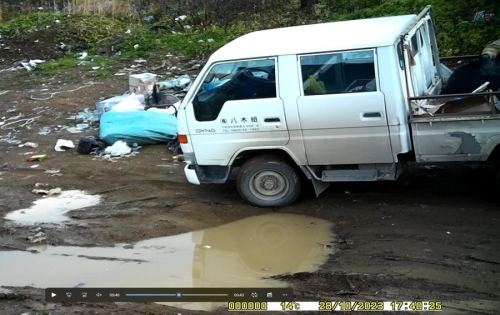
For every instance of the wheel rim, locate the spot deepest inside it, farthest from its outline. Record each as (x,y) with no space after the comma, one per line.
(269,185)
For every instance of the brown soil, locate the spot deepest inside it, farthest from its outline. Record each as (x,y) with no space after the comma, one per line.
(433,235)
(39,45)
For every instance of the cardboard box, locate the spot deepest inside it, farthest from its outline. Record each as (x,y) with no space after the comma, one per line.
(142,83)
(467,104)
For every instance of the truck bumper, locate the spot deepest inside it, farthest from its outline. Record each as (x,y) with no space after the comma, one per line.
(191,175)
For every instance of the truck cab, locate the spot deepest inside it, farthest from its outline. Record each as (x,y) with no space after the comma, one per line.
(330,102)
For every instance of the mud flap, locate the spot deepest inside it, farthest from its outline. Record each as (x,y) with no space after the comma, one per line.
(318,185)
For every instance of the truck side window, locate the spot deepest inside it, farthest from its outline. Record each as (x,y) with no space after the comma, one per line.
(337,73)
(242,80)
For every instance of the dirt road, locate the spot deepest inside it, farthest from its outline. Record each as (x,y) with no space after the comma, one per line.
(434,235)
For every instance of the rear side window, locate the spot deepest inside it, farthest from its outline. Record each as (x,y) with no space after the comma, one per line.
(346,72)
(242,80)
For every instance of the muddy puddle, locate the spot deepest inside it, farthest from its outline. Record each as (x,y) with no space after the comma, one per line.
(239,254)
(53,209)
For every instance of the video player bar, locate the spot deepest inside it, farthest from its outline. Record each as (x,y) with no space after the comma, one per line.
(142,295)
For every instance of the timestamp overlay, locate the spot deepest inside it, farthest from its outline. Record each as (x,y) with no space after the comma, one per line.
(342,306)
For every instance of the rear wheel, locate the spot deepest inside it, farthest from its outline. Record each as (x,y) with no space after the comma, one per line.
(268,181)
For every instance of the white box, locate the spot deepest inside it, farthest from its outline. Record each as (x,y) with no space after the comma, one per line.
(142,83)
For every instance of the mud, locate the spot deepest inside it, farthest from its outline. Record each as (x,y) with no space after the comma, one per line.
(433,235)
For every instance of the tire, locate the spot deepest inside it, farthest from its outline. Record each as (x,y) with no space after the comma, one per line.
(268,181)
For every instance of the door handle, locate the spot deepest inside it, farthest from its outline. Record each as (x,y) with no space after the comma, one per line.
(372,115)
(271,120)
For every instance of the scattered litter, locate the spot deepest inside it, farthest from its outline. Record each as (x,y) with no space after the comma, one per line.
(119,148)
(108,104)
(10,139)
(210,40)
(174,146)
(68,144)
(128,104)
(136,46)
(86,115)
(140,61)
(31,145)
(51,192)
(28,65)
(180,18)
(88,144)
(52,172)
(54,93)
(73,130)
(38,185)
(448,233)
(37,238)
(96,68)
(128,31)
(35,230)
(38,158)
(25,122)
(179,158)
(4,92)
(82,126)
(83,55)
(34,166)
(44,131)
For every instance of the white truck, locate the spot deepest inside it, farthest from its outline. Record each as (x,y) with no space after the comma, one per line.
(330,102)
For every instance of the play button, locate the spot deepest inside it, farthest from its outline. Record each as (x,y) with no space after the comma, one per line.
(53,294)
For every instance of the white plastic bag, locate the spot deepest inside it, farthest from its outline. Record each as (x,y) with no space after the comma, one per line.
(129,104)
(118,148)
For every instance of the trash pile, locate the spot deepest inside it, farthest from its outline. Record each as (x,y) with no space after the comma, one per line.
(144,115)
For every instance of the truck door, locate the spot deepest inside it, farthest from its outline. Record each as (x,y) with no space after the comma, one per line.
(342,110)
(237,106)
(420,47)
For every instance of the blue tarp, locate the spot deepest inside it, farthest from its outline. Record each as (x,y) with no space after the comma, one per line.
(141,127)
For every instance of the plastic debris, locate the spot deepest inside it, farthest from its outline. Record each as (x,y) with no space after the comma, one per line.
(44,131)
(107,104)
(63,144)
(82,126)
(180,18)
(183,82)
(34,166)
(83,55)
(90,143)
(86,115)
(53,172)
(10,139)
(37,238)
(50,192)
(128,104)
(142,127)
(39,158)
(119,148)
(29,65)
(31,145)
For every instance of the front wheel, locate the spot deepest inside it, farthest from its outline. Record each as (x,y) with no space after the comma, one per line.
(268,181)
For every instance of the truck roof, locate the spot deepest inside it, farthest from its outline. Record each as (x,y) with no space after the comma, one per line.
(321,37)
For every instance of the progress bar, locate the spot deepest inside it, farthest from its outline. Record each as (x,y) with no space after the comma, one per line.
(142,295)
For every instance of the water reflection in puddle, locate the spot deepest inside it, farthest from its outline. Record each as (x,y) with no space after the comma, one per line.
(53,209)
(239,254)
